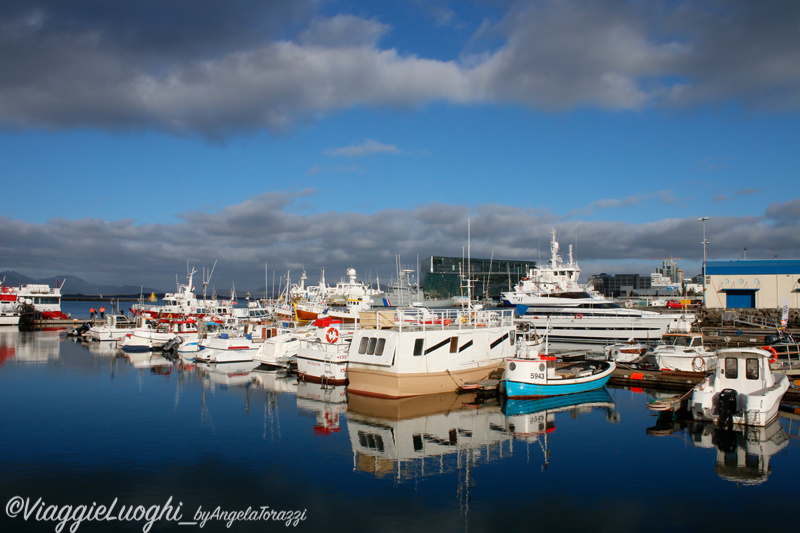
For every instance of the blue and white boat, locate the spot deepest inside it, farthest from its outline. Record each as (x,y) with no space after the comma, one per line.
(539,376)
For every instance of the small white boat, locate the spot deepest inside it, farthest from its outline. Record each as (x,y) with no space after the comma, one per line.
(625,352)
(227,348)
(116,328)
(743,390)
(324,358)
(539,376)
(154,335)
(684,352)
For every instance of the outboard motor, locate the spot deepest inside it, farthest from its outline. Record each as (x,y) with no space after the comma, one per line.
(172,344)
(727,408)
(83,328)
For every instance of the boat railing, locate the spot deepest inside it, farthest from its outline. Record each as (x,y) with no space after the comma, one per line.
(425,319)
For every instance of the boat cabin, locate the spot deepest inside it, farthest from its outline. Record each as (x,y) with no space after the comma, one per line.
(744,371)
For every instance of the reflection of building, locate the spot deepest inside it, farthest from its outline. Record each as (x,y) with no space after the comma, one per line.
(753,284)
(425,435)
(743,453)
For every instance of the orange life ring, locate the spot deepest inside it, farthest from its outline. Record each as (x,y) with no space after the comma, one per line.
(774,357)
(698,367)
(578,316)
(332,335)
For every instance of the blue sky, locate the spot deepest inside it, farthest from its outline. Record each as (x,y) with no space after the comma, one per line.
(135,138)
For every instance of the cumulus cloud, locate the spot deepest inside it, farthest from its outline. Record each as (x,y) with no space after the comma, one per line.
(239,66)
(266,229)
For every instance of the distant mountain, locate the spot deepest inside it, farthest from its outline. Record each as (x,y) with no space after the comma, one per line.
(76,286)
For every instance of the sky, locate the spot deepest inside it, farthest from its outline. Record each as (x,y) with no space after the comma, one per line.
(139,139)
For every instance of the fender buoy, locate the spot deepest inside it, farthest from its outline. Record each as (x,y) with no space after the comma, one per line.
(332,335)
(578,316)
(774,357)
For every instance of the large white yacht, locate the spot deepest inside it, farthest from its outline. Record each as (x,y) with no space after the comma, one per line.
(552,301)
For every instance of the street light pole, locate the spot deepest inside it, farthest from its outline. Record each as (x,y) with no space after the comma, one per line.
(705,242)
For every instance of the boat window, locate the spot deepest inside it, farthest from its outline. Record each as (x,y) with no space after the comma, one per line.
(379,347)
(731,367)
(371,346)
(418,346)
(751,368)
(453,344)
(362,348)
(370,441)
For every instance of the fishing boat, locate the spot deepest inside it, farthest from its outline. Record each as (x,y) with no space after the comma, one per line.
(625,352)
(424,351)
(541,376)
(743,390)
(116,328)
(152,335)
(36,301)
(323,358)
(9,308)
(684,352)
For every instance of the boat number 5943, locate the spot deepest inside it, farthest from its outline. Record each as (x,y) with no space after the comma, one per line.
(537,375)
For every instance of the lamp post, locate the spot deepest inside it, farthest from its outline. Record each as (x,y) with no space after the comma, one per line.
(705,242)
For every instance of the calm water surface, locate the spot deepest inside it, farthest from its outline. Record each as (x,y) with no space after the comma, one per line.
(87,425)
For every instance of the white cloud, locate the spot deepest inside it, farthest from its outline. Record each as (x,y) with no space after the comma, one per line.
(368,147)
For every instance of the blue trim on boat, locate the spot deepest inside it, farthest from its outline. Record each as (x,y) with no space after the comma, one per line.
(524,407)
(515,389)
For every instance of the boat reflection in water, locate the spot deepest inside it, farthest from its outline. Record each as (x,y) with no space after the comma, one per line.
(743,453)
(325,402)
(30,347)
(532,420)
(409,438)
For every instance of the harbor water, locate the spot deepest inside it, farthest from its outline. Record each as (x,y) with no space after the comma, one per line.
(237,448)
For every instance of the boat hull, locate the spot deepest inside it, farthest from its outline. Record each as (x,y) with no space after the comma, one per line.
(533,378)
(378,383)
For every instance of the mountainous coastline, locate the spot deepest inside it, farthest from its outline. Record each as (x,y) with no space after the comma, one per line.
(74,286)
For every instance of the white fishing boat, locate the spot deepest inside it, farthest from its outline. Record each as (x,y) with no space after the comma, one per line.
(626,352)
(9,307)
(323,358)
(541,376)
(227,348)
(115,328)
(683,352)
(352,288)
(743,390)
(233,344)
(426,352)
(183,303)
(281,343)
(552,300)
(37,301)
(151,335)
